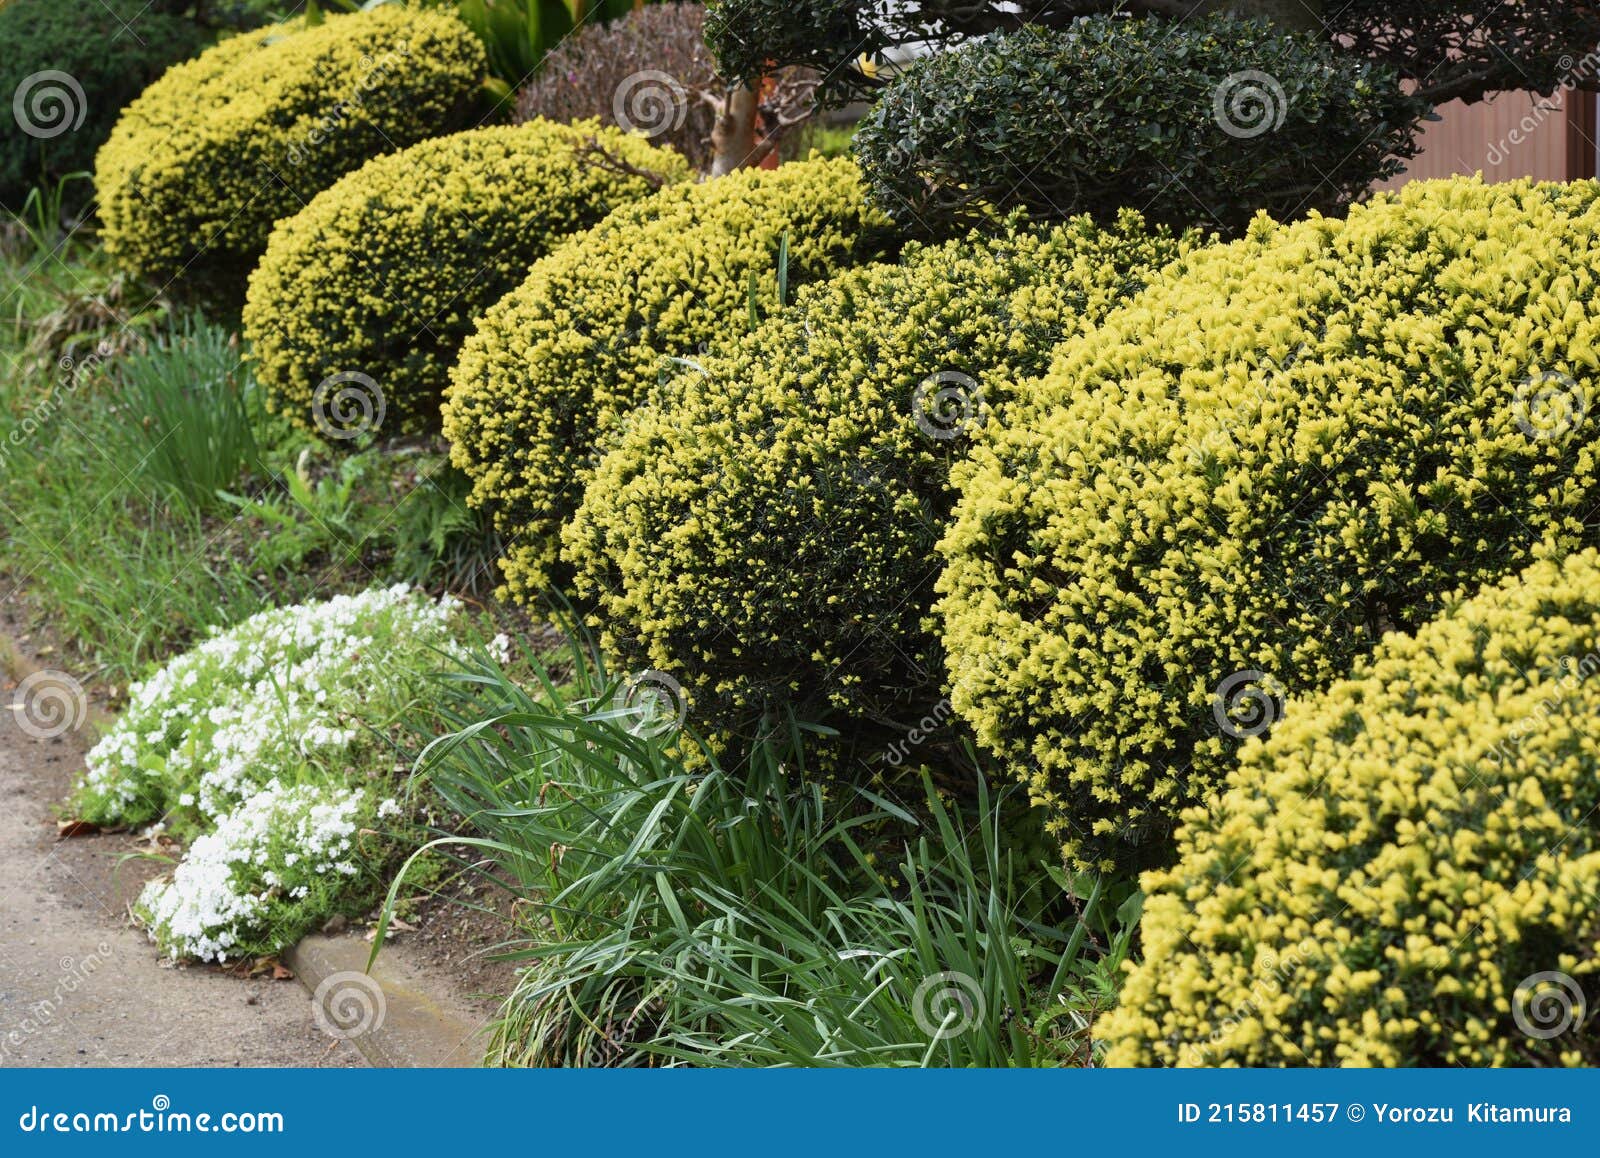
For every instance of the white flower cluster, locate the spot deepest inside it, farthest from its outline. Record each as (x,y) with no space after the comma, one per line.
(258,701)
(269,850)
(267,739)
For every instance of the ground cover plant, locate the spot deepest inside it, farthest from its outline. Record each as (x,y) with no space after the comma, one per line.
(733,915)
(271,744)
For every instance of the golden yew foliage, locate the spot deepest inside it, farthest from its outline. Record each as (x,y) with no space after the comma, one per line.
(387,270)
(199,167)
(1284,448)
(1385,876)
(558,362)
(765,529)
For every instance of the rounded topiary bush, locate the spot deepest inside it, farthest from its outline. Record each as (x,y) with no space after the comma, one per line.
(385,271)
(200,166)
(765,530)
(1405,873)
(1286,447)
(560,360)
(67,70)
(1201,121)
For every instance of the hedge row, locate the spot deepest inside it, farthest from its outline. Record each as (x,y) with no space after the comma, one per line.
(557,364)
(1237,484)
(202,164)
(386,272)
(765,530)
(1405,873)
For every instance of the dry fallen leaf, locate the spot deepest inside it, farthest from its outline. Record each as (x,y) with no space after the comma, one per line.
(66,829)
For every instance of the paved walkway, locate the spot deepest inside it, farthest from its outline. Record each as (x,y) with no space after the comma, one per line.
(78,985)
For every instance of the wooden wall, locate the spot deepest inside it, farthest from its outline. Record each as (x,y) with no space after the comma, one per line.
(1511,135)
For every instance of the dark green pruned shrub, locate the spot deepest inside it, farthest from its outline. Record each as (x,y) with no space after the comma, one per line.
(1196,122)
(1405,873)
(1234,486)
(764,531)
(563,359)
(1446,49)
(66,71)
(202,164)
(386,271)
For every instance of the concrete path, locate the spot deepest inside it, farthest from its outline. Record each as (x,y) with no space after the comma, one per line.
(78,985)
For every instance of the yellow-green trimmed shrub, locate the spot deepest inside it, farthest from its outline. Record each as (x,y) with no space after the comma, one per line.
(1406,872)
(199,167)
(561,359)
(765,530)
(1243,478)
(386,271)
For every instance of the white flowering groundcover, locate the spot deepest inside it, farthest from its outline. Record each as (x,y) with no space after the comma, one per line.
(268,743)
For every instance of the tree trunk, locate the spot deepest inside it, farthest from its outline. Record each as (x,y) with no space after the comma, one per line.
(733,137)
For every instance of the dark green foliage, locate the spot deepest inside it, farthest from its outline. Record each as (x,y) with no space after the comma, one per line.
(1199,122)
(1451,49)
(110,51)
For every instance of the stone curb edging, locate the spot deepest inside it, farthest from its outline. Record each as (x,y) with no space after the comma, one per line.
(392,1022)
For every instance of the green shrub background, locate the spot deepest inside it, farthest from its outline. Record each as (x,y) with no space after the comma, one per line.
(202,164)
(112,66)
(386,271)
(1298,442)
(556,364)
(1392,878)
(1201,121)
(765,530)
